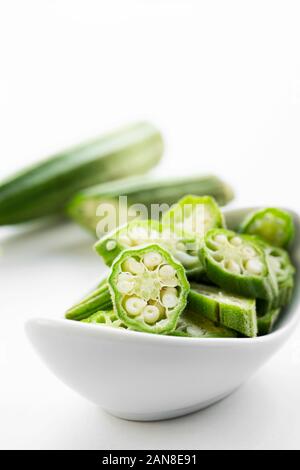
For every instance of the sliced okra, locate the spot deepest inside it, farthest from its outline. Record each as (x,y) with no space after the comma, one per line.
(231,311)
(99,299)
(275,226)
(149,289)
(133,234)
(237,264)
(266,322)
(283,271)
(141,232)
(105,317)
(194,215)
(193,324)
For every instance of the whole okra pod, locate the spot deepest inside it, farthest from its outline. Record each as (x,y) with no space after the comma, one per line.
(45,188)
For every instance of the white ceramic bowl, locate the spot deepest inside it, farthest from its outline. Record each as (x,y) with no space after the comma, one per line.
(140,376)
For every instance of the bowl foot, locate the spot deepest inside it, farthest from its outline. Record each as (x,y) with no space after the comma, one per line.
(170,414)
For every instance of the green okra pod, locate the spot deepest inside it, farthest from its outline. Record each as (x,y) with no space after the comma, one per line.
(231,311)
(156,196)
(273,225)
(45,188)
(149,289)
(238,264)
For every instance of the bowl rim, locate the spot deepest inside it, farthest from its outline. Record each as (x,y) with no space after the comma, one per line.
(97,331)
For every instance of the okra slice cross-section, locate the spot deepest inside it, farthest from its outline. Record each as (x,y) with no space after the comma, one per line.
(195,215)
(275,226)
(230,311)
(141,232)
(237,264)
(149,289)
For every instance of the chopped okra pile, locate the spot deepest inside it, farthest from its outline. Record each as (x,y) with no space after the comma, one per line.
(189,275)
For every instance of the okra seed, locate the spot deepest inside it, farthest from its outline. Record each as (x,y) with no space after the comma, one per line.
(236,241)
(233,266)
(158,305)
(111,245)
(222,239)
(125,277)
(152,260)
(167,272)
(254,266)
(131,265)
(125,283)
(151,314)
(125,287)
(167,275)
(249,252)
(134,305)
(169,297)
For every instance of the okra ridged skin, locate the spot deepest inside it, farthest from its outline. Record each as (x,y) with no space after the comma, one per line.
(98,300)
(145,191)
(45,188)
(193,324)
(233,312)
(149,289)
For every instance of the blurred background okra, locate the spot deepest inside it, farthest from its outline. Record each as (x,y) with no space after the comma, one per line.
(46,187)
(146,191)
(77,180)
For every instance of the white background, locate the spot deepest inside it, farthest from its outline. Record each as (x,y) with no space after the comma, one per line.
(222,80)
